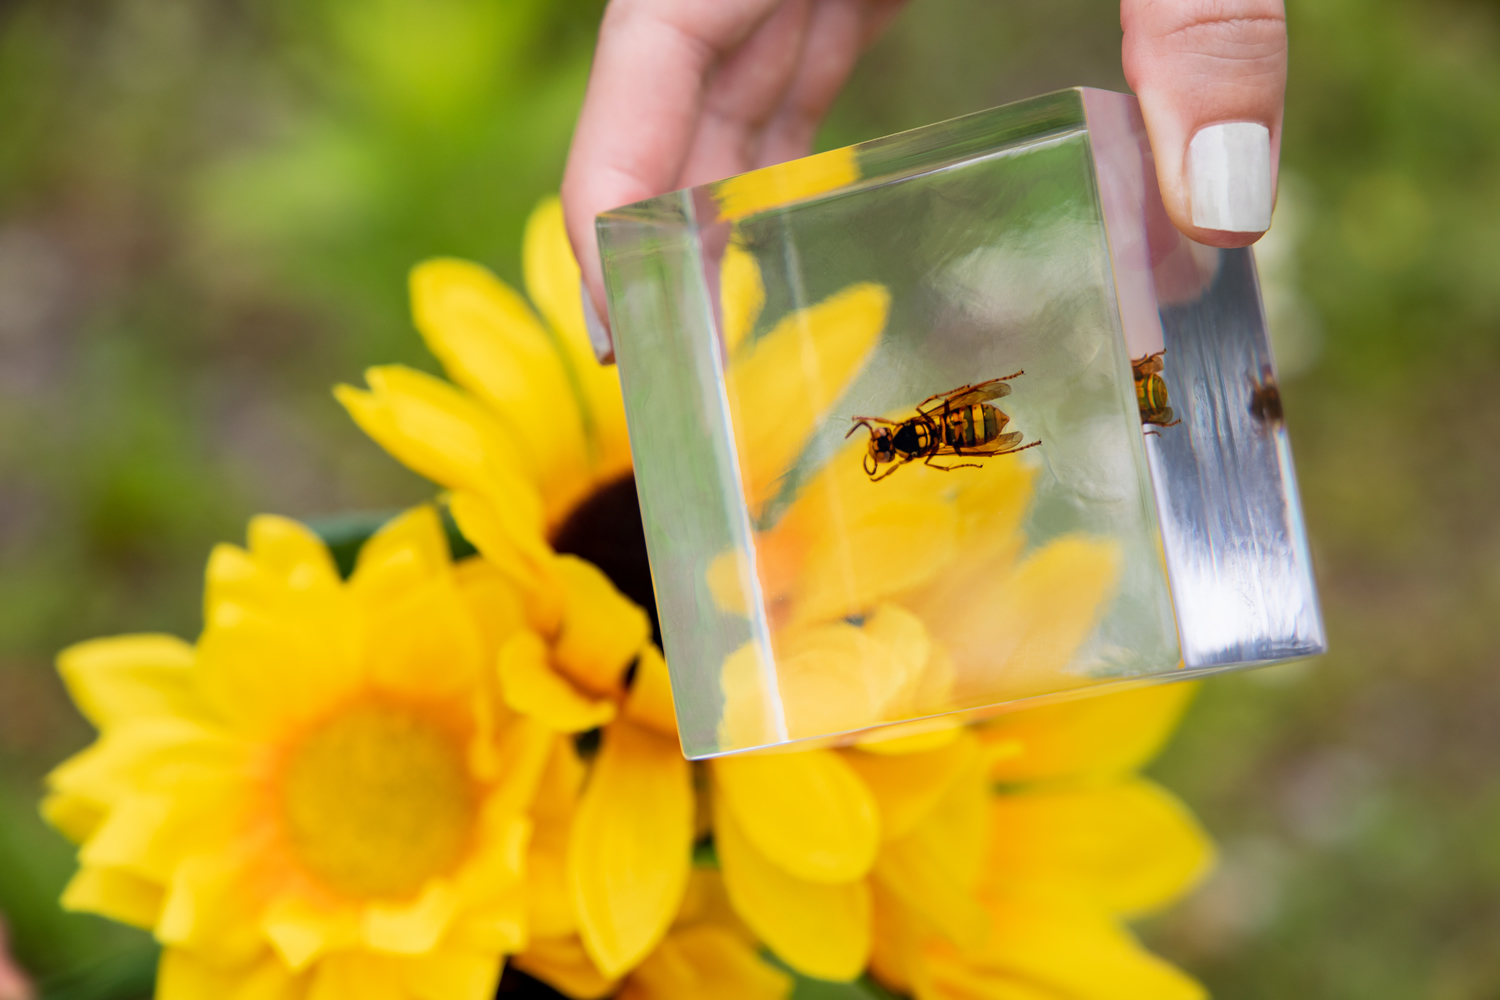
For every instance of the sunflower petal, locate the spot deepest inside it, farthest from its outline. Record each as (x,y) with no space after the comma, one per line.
(705,961)
(530,686)
(204,908)
(916,875)
(782,183)
(449,974)
(906,787)
(1096,737)
(807,813)
(563,963)
(413,928)
(292,552)
(301,932)
(1032,622)
(630,853)
(115,894)
(425,644)
(492,600)
(602,630)
(514,545)
(1131,845)
(410,548)
(490,343)
(935,868)
(650,700)
(552,280)
(834,678)
(549,911)
(357,976)
(148,834)
(782,387)
(259,673)
(441,433)
(129,676)
(742,295)
(1058,943)
(184,975)
(850,570)
(818,929)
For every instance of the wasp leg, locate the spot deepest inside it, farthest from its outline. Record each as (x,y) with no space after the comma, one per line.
(889,472)
(950,468)
(867,421)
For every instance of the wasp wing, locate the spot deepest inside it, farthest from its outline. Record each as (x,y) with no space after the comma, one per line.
(1000,446)
(1151,364)
(971,394)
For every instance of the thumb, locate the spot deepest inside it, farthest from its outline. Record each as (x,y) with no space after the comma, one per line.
(1211,78)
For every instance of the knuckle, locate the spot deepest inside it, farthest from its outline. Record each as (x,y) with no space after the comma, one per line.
(1228,25)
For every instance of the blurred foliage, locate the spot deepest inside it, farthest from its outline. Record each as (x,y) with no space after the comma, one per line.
(207,211)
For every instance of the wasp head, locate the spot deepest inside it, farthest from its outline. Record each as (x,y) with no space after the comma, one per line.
(882,448)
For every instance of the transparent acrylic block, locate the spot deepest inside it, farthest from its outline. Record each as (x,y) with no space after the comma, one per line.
(949,422)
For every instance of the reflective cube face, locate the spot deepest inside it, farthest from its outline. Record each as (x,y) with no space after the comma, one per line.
(895,413)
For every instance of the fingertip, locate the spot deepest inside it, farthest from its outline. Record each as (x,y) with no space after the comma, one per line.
(600,338)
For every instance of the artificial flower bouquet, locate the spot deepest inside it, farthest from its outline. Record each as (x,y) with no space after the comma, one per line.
(450,765)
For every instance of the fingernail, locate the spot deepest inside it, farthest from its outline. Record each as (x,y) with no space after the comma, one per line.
(599,338)
(1229,169)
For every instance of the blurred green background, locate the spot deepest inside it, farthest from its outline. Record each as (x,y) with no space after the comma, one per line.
(207,210)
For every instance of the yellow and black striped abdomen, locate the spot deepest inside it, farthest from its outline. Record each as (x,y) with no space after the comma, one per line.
(1151,394)
(972,426)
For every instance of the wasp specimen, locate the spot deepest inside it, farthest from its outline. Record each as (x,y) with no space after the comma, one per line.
(959,423)
(1265,397)
(1151,391)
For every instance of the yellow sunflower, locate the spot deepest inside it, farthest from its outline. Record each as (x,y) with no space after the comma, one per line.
(326,797)
(1073,842)
(706,952)
(531,445)
(808,843)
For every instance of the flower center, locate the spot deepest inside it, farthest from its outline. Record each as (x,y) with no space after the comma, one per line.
(606,530)
(377,800)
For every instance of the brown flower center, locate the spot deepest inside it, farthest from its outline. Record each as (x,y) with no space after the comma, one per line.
(606,530)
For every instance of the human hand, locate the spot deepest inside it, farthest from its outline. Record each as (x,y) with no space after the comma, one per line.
(687,91)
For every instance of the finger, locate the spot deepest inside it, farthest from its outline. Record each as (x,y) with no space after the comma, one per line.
(641,107)
(743,93)
(1211,78)
(839,30)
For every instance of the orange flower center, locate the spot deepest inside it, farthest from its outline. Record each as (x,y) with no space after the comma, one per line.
(377,800)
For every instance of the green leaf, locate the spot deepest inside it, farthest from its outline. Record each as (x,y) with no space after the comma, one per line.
(346,534)
(129,974)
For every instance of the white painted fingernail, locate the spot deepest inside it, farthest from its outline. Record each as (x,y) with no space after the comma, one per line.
(1229,169)
(599,338)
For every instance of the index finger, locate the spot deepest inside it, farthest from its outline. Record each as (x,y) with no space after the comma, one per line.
(641,107)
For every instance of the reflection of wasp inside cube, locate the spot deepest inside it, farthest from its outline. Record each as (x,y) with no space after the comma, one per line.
(1265,397)
(1151,391)
(957,423)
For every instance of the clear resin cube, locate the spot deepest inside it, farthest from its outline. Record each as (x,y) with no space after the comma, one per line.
(945,423)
